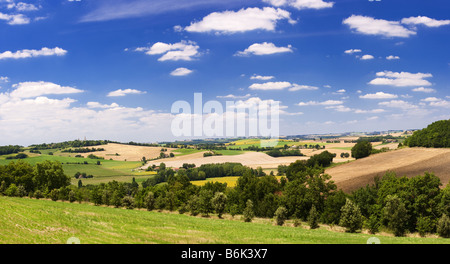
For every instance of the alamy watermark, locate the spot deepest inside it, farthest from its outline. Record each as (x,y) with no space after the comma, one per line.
(251,118)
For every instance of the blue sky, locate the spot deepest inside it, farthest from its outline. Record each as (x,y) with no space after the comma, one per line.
(111,69)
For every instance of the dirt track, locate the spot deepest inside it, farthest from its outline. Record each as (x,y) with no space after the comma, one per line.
(408,162)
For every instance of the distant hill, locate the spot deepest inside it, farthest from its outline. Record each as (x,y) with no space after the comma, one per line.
(436,135)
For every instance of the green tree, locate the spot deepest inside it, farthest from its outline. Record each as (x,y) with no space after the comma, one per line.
(21,192)
(11,190)
(351,217)
(38,194)
(49,175)
(425,225)
(72,197)
(396,215)
(313,218)
(194,205)
(219,203)
(332,207)
(149,201)
(281,215)
(54,194)
(205,197)
(373,224)
(116,199)
(443,226)
(362,149)
(128,202)
(249,214)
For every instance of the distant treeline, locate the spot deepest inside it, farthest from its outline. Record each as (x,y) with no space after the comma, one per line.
(5,150)
(83,150)
(70,144)
(284,152)
(436,135)
(140,144)
(380,138)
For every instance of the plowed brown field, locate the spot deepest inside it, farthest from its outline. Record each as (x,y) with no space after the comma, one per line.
(408,162)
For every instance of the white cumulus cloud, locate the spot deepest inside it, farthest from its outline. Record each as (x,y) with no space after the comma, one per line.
(264,48)
(401,79)
(378,27)
(29,53)
(229,22)
(120,92)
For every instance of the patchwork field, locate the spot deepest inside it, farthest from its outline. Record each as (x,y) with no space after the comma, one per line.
(405,162)
(30,221)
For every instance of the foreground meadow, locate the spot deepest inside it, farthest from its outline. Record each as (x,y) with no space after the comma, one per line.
(30,221)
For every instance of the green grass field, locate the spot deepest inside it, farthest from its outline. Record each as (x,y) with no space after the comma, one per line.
(30,221)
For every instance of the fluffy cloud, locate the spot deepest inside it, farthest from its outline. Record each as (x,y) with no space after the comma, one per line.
(401,79)
(248,19)
(426,21)
(261,78)
(301,4)
(99,105)
(184,50)
(120,92)
(424,90)
(324,103)
(351,51)
(27,53)
(15,19)
(181,72)
(399,104)
(26,111)
(437,102)
(373,111)
(232,96)
(270,86)
(296,87)
(23,7)
(379,95)
(264,48)
(367,57)
(281,86)
(35,89)
(392,57)
(378,27)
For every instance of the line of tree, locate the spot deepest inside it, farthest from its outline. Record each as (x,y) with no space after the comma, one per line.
(380,138)
(70,144)
(82,150)
(284,152)
(5,150)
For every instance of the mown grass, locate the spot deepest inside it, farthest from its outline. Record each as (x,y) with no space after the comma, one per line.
(30,221)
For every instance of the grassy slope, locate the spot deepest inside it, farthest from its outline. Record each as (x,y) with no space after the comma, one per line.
(28,221)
